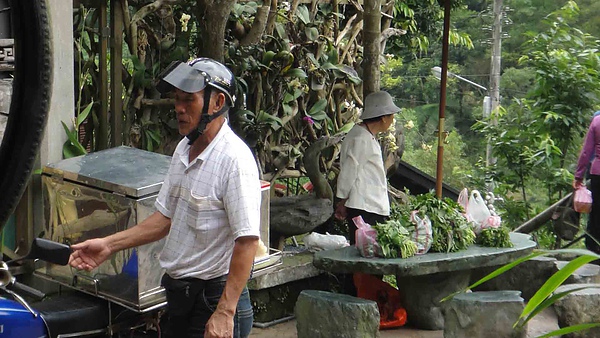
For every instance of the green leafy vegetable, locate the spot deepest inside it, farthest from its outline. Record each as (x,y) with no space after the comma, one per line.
(495,237)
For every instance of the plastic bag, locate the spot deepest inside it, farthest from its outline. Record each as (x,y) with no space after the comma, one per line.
(582,202)
(317,242)
(423,233)
(391,313)
(366,239)
(479,213)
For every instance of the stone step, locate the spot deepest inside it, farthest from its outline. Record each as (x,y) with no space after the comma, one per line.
(587,273)
(579,307)
(484,314)
(322,314)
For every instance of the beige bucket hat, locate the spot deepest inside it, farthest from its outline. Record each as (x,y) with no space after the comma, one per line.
(378,104)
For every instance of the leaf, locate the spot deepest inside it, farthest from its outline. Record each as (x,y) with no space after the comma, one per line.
(319,106)
(555,281)
(346,128)
(84,114)
(496,273)
(72,146)
(303,14)
(548,302)
(570,329)
(312,33)
(296,72)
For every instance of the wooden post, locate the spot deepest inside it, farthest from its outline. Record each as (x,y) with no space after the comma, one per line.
(102,137)
(116,87)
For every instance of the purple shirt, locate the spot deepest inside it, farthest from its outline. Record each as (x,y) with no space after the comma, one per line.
(591,147)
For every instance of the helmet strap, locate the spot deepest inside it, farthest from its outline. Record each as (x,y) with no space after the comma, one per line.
(205,119)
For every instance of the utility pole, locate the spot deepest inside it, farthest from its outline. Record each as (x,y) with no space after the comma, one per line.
(495,69)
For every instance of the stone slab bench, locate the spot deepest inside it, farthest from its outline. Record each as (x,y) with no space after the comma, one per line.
(322,314)
(484,314)
(579,307)
(426,279)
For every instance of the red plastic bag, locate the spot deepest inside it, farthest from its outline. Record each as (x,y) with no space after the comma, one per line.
(582,201)
(366,239)
(391,313)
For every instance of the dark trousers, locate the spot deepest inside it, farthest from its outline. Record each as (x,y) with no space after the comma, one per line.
(368,217)
(593,228)
(192,301)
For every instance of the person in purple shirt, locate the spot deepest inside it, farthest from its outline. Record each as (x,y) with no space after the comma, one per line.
(589,161)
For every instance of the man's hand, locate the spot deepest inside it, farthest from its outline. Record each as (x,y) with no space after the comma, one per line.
(90,254)
(577,183)
(340,210)
(219,325)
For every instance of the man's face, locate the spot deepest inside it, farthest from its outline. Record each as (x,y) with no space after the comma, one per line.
(188,107)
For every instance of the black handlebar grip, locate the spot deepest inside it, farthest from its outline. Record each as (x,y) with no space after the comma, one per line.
(21,288)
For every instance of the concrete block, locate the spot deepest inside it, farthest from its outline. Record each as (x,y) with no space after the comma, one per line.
(322,314)
(484,314)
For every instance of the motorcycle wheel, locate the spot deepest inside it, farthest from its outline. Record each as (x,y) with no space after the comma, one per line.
(29,103)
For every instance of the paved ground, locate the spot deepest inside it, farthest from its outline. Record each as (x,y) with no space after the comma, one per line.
(545,322)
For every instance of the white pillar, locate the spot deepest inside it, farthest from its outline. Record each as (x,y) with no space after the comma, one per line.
(63,97)
(61,103)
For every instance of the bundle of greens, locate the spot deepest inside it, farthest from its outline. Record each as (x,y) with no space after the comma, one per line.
(451,231)
(495,237)
(393,238)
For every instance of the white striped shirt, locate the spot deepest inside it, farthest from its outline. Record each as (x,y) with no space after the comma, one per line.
(211,201)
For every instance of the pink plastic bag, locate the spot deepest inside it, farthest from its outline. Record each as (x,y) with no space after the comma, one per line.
(366,239)
(582,201)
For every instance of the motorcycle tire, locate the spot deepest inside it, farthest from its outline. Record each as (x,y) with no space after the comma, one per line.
(29,103)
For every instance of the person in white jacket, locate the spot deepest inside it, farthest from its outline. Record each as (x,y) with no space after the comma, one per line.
(362,183)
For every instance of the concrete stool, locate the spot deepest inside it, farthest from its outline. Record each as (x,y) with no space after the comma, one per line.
(579,307)
(587,273)
(484,314)
(322,314)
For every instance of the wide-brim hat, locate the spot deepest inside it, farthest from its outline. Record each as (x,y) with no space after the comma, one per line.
(378,104)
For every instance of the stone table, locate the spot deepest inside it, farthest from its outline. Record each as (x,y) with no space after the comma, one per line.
(424,280)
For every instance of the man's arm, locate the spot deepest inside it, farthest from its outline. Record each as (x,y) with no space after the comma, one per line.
(239,272)
(90,254)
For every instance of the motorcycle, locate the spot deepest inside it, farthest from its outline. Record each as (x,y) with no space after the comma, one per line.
(27,312)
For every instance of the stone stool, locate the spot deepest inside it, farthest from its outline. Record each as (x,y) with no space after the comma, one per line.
(484,314)
(322,314)
(587,273)
(579,307)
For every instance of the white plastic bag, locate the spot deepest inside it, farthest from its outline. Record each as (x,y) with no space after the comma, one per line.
(479,213)
(423,233)
(463,201)
(317,242)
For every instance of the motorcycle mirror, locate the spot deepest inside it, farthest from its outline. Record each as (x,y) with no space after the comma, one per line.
(49,251)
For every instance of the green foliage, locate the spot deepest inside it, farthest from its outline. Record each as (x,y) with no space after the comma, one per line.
(495,237)
(451,231)
(394,240)
(72,147)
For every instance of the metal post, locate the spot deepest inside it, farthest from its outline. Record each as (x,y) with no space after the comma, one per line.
(442,117)
(496,62)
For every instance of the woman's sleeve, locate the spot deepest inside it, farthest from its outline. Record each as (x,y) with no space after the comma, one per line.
(349,165)
(586,151)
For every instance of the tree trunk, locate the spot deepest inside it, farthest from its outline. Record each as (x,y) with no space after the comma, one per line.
(371,45)
(212,16)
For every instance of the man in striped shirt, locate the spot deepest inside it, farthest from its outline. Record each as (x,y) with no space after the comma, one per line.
(208,208)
